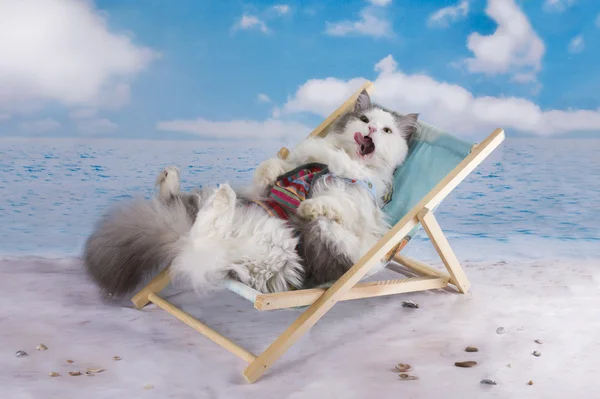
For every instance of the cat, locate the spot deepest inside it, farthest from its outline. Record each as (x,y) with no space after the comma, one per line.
(343,219)
(235,235)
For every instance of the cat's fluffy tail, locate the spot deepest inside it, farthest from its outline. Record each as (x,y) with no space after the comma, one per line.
(134,240)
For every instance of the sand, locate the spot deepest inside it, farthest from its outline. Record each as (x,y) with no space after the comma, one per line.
(350,353)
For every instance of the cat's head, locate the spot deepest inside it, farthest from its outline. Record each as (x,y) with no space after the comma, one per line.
(371,135)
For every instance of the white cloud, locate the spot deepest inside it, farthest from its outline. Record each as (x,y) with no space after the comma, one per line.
(444,16)
(63,51)
(369,24)
(321,96)
(380,3)
(238,129)
(248,22)
(448,106)
(557,5)
(39,126)
(577,44)
(263,98)
(96,126)
(281,9)
(514,48)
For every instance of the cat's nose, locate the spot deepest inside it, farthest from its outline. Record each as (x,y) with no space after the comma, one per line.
(372,129)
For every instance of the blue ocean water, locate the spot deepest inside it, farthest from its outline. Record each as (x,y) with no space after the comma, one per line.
(531,198)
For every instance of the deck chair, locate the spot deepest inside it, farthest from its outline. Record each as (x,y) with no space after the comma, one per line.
(436,163)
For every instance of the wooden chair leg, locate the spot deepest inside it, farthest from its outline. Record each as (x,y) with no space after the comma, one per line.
(444,250)
(156,285)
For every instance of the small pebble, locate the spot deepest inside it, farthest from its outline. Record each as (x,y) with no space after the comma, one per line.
(410,304)
(508,365)
(501,330)
(471,349)
(74,373)
(53,374)
(537,354)
(402,367)
(116,357)
(69,361)
(93,371)
(468,363)
(530,382)
(89,373)
(487,381)
(538,341)
(21,354)
(408,377)
(148,387)
(41,347)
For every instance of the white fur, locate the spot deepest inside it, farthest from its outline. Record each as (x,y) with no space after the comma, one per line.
(242,239)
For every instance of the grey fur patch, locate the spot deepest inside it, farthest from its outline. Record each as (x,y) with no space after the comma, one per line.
(189,200)
(134,240)
(406,124)
(322,262)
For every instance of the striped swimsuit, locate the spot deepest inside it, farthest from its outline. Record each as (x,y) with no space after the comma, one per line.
(291,188)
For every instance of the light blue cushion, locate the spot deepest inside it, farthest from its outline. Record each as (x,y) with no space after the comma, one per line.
(432,155)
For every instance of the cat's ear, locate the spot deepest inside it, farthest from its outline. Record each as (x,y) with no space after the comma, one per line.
(412,125)
(362,102)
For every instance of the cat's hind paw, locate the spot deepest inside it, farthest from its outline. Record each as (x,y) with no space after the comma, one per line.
(314,208)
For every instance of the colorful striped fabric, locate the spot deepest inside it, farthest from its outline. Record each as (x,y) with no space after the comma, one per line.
(291,189)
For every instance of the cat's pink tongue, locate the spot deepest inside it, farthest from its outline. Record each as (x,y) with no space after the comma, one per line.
(359,138)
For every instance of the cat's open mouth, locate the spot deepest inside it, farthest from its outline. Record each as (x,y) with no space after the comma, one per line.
(365,144)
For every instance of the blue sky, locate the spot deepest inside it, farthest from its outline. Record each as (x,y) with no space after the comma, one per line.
(154,69)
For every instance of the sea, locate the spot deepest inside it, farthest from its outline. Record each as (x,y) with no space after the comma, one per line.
(531,199)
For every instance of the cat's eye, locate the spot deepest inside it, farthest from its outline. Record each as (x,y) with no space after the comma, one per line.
(364,119)
(387,130)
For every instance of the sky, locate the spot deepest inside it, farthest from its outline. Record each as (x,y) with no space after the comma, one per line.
(264,70)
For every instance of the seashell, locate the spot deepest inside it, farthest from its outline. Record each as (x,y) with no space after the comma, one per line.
(530,382)
(501,330)
(94,371)
(148,387)
(41,347)
(468,363)
(402,367)
(538,341)
(21,354)
(53,374)
(404,376)
(487,381)
(410,304)
(69,361)
(74,373)
(471,349)
(536,354)
(116,357)
(89,373)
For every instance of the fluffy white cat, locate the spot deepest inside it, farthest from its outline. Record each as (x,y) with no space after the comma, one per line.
(240,236)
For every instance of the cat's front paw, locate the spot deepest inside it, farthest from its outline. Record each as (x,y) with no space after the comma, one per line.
(313,208)
(268,171)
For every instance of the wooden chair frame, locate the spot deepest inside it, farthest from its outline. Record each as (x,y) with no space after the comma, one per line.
(348,286)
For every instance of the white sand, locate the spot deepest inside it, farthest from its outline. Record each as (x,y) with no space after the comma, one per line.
(350,353)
